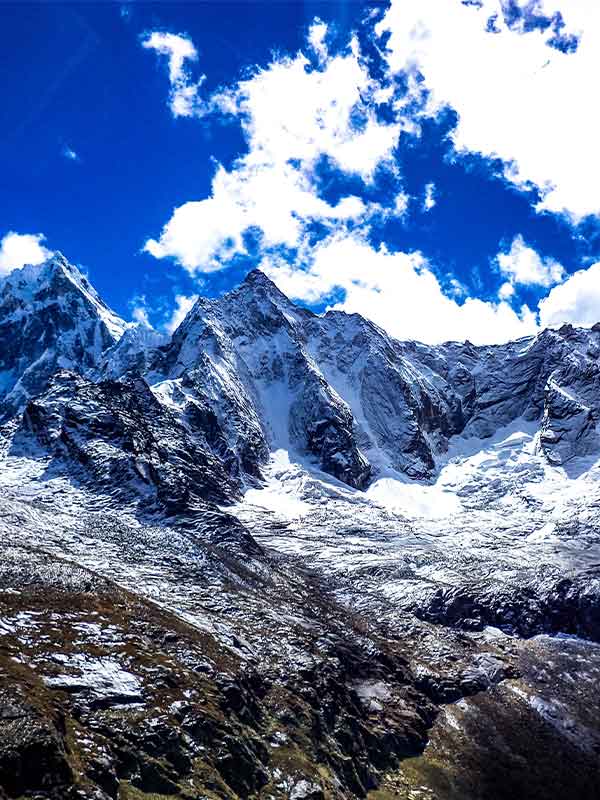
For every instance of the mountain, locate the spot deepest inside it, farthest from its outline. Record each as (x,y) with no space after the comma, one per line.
(50,318)
(339,390)
(284,555)
(335,389)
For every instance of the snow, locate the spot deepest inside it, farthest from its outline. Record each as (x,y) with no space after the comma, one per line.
(374,694)
(414,500)
(104,677)
(27,283)
(495,514)
(281,493)
(492,508)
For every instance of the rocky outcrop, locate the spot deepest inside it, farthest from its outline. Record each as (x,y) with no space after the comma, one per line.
(570,605)
(118,438)
(33,750)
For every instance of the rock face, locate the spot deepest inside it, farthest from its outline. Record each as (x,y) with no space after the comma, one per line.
(119,437)
(358,403)
(334,389)
(246,355)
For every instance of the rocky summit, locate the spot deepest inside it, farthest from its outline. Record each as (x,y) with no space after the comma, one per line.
(283,555)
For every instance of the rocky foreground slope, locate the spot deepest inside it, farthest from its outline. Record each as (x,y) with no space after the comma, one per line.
(278,553)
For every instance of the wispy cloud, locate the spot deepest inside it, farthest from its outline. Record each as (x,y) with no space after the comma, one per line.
(429,201)
(70,154)
(179,49)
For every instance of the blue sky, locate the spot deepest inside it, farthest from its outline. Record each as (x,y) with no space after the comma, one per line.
(429,164)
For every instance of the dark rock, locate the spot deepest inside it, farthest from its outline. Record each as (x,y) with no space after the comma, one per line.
(33,755)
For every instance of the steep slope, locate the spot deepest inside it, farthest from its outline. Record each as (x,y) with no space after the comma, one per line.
(336,389)
(50,318)
(245,354)
(117,437)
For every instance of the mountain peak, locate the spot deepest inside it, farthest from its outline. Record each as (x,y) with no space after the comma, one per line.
(50,317)
(257,278)
(258,283)
(57,275)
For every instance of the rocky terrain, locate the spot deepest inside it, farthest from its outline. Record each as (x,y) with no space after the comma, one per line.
(282,555)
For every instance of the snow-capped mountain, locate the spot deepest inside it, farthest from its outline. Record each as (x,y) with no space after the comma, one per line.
(50,318)
(260,558)
(339,390)
(258,374)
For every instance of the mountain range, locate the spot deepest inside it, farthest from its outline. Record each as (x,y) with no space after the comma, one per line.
(276,553)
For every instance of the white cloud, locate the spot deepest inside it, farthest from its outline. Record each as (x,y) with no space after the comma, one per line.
(276,199)
(70,154)
(179,49)
(523,265)
(19,249)
(577,300)
(429,201)
(316,38)
(292,116)
(140,314)
(517,98)
(399,292)
(401,203)
(183,304)
(291,113)
(506,290)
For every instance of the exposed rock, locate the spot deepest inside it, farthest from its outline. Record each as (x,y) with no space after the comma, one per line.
(50,318)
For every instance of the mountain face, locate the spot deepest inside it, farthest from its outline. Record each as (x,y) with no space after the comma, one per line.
(358,403)
(335,389)
(275,554)
(50,318)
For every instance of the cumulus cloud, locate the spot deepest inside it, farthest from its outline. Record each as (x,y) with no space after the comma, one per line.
(276,199)
(183,304)
(523,265)
(577,300)
(289,111)
(300,111)
(399,292)
(292,117)
(19,249)
(179,49)
(521,76)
